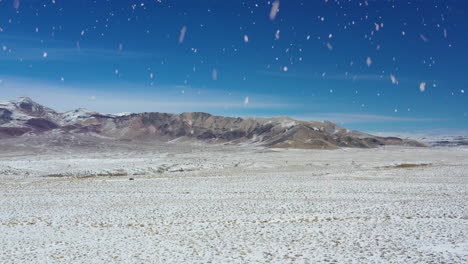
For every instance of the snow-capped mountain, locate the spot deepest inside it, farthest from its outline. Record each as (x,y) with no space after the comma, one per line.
(26,117)
(19,112)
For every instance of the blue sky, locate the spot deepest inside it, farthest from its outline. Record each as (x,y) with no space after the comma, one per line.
(378,66)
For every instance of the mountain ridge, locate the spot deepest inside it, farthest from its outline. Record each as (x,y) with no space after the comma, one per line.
(23,116)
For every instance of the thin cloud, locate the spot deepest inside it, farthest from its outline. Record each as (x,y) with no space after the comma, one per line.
(350,118)
(64,97)
(73,54)
(26,49)
(320,76)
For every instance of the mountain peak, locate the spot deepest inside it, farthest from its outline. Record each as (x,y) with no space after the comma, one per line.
(23,99)
(19,100)
(26,103)
(24,108)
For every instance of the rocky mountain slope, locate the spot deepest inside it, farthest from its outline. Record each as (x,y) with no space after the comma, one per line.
(24,117)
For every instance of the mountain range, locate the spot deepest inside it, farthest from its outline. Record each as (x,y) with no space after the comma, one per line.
(24,117)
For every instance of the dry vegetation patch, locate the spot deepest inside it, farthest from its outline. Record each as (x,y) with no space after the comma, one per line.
(407,166)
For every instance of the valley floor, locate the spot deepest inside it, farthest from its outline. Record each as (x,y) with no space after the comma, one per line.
(233,204)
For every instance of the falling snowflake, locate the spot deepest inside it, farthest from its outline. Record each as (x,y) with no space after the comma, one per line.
(182,34)
(44,55)
(246,100)
(369,61)
(393,79)
(423,38)
(422,86)
(246,38)
(277,34)
(16,4)
(274,9)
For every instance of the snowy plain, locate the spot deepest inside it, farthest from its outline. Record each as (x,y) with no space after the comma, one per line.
(192,203)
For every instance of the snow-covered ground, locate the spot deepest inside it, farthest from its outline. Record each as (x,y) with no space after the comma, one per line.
(231,204)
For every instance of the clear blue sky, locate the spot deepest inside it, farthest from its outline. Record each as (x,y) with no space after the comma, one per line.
(397,66)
